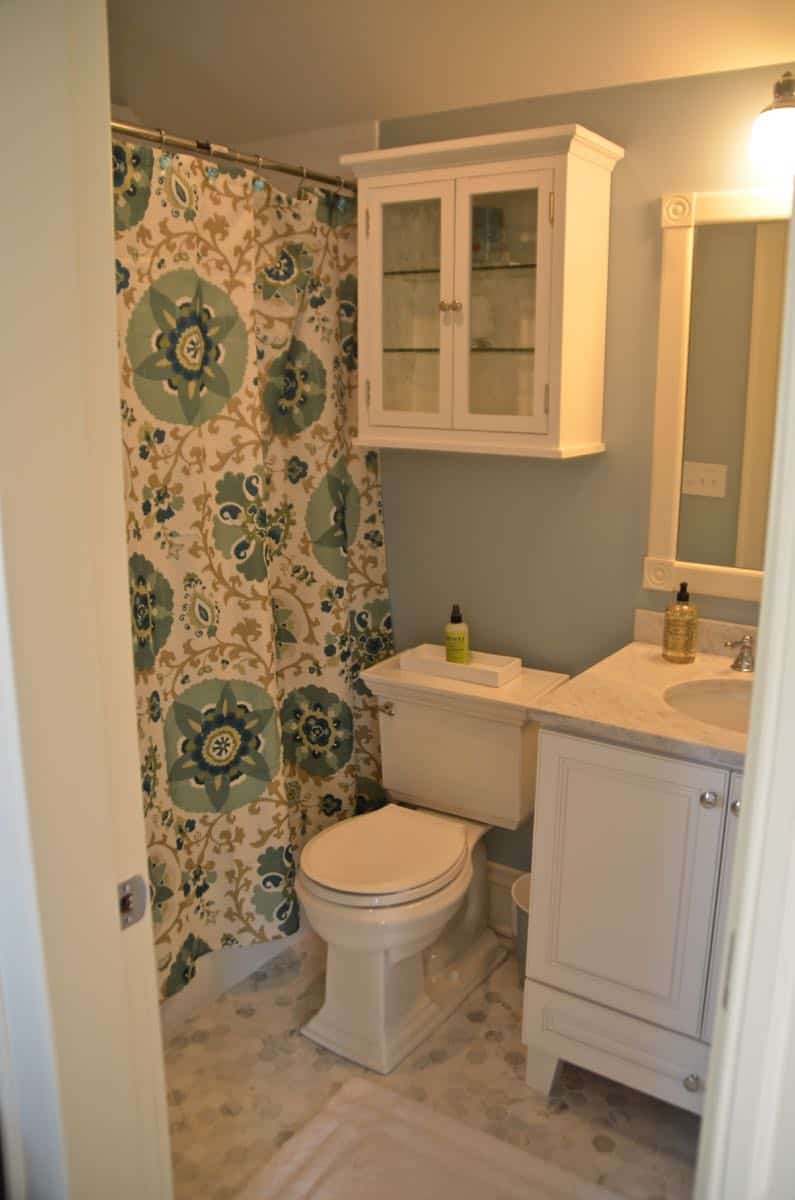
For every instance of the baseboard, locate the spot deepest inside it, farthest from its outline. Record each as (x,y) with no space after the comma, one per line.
(216,973)
(500,881)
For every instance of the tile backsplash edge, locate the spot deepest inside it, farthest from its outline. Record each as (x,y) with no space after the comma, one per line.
(711,634)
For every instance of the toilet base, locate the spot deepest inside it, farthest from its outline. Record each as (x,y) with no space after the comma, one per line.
(398,1004)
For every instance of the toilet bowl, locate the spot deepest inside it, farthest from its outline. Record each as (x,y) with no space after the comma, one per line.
(400,895)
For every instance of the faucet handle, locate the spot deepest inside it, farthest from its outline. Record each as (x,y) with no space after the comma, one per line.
(745,655)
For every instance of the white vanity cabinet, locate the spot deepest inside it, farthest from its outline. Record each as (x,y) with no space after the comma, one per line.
(631,858)
(483,289)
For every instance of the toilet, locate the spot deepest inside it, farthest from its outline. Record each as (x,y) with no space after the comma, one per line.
(400,895)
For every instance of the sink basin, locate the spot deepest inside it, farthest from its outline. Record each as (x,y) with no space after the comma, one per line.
(722,702)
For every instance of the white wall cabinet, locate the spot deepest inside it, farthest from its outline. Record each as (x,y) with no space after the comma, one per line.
(631,858)
(483,290)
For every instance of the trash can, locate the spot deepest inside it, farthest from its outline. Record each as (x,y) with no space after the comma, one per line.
(520,894)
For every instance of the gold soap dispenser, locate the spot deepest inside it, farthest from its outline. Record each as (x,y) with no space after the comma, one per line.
(680,628)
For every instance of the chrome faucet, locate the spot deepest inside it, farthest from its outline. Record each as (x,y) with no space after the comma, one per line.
(745,655)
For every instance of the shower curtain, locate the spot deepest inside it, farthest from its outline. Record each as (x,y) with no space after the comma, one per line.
(256,551)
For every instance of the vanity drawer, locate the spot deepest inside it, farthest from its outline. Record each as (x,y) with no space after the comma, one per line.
(643,1056)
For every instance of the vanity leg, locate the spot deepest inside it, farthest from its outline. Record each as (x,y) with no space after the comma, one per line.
(542,1070)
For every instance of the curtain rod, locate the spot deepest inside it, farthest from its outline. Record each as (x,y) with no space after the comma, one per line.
(217,151)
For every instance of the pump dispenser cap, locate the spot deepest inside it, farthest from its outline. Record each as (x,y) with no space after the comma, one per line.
(455,615)
(683,595)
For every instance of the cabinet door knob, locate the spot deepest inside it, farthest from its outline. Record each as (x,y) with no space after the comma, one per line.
(735,807)
(456,306)
(709,799)
(691,1083)
(444,306)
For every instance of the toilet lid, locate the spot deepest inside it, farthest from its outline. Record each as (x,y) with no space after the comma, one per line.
(393,850)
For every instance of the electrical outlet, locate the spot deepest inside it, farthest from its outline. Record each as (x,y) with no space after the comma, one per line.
(704,479)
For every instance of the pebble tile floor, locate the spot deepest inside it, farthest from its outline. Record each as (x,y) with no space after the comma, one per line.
(242,1080)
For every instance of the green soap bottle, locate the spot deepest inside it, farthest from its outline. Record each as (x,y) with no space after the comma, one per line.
(456,638)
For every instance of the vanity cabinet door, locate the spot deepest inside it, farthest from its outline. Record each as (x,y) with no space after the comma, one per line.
(724,887)
(624,877)
(407,297)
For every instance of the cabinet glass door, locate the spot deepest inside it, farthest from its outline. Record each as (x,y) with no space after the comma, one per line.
(412,375)
(503,242)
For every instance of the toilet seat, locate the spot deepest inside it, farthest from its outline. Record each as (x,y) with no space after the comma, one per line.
(389,857)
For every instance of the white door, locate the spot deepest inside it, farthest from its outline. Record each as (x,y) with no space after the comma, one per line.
(81,1078)
(407,294)
(626,851)
(503,247)
(747,1147)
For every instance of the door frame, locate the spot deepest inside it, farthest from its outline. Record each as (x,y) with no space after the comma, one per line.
(83,1092)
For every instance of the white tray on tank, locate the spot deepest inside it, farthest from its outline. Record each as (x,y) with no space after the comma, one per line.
(490,670)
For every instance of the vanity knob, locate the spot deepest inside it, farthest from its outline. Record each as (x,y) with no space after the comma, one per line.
(735,807)
(709,799)
(444,306)
(456,306)
(692,1083)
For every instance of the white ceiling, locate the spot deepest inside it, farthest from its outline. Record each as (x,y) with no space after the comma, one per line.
(236,70)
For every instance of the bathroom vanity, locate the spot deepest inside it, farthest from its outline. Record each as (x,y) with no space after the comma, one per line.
(636,815)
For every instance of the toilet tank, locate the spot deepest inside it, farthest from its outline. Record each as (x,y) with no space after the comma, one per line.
(459,747)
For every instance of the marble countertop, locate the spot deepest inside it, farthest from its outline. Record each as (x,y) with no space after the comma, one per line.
(620,699)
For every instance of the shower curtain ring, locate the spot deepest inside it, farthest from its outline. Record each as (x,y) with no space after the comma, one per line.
(162,133)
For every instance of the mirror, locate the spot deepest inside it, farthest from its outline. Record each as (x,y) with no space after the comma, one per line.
(724,259)
(736,301)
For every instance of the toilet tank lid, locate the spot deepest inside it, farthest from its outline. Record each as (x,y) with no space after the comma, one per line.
(510,703)
(391,850)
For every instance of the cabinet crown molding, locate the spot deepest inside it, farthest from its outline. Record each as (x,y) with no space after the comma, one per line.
(522,143)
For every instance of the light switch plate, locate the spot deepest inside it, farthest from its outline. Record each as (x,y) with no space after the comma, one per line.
(704,479)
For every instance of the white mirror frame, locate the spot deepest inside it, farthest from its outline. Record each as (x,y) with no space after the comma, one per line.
(681,212)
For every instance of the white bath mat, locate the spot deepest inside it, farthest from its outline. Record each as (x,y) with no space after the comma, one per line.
(368,1143)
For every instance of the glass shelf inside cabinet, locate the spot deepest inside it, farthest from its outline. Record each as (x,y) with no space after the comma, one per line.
(511,266)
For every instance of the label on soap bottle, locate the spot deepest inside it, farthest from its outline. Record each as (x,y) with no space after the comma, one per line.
(456,643)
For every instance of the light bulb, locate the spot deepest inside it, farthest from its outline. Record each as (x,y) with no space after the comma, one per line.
(773,135)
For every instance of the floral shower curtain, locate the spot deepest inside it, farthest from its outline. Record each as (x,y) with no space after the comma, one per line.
(257,574)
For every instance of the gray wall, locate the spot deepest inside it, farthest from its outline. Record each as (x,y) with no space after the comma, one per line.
(545,557)
(717,376)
